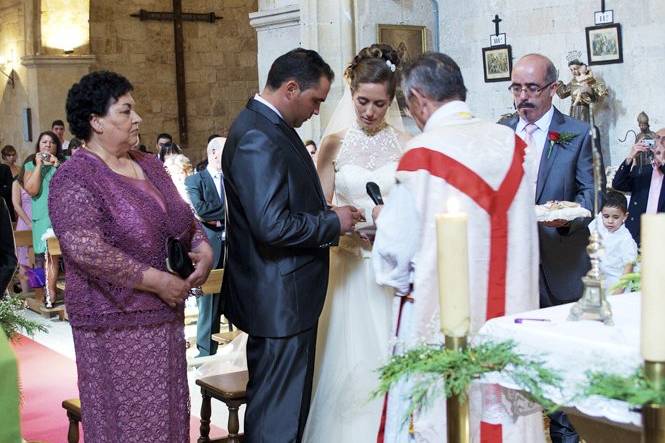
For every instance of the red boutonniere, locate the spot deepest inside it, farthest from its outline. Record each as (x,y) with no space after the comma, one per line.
(560,138)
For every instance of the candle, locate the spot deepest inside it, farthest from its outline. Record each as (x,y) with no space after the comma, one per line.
(653,287)
(453,270)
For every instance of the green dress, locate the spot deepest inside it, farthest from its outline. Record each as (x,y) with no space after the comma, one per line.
(40,219)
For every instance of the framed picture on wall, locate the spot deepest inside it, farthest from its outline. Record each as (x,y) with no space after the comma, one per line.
(603,44)
(409,41)
(497,63)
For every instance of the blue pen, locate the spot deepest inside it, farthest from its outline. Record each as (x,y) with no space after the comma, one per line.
(522,320)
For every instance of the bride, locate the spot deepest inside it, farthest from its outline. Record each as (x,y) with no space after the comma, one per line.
(355,326)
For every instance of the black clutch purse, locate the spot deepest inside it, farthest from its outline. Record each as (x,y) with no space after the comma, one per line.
(177,258)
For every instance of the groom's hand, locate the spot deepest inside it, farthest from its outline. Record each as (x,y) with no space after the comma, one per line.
(348,217)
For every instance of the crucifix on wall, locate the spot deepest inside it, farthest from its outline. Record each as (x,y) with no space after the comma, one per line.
(177,17)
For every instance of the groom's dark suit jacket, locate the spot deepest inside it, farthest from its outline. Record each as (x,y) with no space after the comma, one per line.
(279,227)
(566,175)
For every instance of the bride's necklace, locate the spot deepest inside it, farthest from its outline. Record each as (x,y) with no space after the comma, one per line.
(98,151)
(373,131)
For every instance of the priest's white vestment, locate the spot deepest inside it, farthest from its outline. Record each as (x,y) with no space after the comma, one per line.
(481,165)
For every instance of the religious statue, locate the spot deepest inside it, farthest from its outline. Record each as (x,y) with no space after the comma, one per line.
(583,88)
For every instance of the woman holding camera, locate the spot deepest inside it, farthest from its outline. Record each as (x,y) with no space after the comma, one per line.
(37,180)
(645,185)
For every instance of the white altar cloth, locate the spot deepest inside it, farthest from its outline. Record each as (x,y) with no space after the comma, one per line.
(571,348)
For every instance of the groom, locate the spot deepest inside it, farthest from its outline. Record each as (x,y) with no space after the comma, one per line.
(279,229)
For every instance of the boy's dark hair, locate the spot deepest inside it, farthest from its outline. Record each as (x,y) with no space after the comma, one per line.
(615,199)
(58,123)
(304,66)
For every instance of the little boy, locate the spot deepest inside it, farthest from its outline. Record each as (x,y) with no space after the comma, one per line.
(620,248)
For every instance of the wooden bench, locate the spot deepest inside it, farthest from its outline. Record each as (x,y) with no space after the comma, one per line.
(230,389)
(73,408)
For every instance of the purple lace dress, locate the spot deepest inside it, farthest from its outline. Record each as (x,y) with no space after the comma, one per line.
(130,349)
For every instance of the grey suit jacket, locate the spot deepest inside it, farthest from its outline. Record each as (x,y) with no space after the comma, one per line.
(209,206)
(566,175)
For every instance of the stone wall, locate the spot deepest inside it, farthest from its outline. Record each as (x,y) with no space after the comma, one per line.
(220,64)
(553,28)
(11,49)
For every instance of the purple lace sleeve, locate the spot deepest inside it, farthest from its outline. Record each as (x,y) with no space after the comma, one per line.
(198,235)
(76,218)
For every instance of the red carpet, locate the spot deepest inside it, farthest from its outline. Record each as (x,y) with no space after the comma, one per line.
(46,379)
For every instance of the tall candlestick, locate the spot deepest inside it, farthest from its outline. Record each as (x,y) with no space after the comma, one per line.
(653,287)
(453,270)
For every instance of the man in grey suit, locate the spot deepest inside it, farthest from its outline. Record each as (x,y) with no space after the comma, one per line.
(206,192)
(562,171)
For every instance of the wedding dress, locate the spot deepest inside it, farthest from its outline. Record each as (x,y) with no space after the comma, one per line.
(355,326)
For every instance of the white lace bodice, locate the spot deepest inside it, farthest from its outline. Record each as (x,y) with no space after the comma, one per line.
(363,158)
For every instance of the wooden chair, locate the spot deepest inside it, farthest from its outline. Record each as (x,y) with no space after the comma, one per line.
(230,389)
(73,408)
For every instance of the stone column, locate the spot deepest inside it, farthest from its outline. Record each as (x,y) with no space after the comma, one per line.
(48,79)
(327,26)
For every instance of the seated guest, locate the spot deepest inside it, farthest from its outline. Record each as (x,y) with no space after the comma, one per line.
(113,208)
(311,148)
(74,145)
(162,140)
(22,203)
(645,185)
(167,150)
(206,193)
(37,181)
(58,128)
(179,168)
(9,157)
(620,250)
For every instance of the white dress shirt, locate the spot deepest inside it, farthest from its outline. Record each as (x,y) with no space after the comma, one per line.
(217,178)
(539,137)
(260,99)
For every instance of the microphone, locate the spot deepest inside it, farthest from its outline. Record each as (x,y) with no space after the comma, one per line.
(374,193)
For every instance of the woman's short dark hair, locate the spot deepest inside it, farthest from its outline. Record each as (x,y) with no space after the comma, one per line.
(377,63)
(8,150)
(436,76)
(301,65)
(168,149)
(56,140)
(93,95)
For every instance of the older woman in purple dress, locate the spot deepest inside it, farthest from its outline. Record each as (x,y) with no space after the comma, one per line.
(113,209)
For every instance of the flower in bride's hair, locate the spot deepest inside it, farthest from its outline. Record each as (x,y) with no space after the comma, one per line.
(391,65)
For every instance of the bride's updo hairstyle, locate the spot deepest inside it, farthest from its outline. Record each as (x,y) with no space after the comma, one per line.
(377,63)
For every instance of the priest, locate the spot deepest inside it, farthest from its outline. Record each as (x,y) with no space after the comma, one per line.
(480,165)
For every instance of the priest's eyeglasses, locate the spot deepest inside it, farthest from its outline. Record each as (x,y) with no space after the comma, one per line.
(530,88)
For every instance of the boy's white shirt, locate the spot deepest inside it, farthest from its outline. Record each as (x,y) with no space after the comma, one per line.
(619,250)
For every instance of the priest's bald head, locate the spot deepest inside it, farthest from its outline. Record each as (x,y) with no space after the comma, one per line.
(533,86)
(431,81)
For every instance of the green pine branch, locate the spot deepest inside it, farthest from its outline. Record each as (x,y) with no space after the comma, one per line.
(428,367)
(13,323)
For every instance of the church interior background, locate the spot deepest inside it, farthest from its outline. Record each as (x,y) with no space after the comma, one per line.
(46,45)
